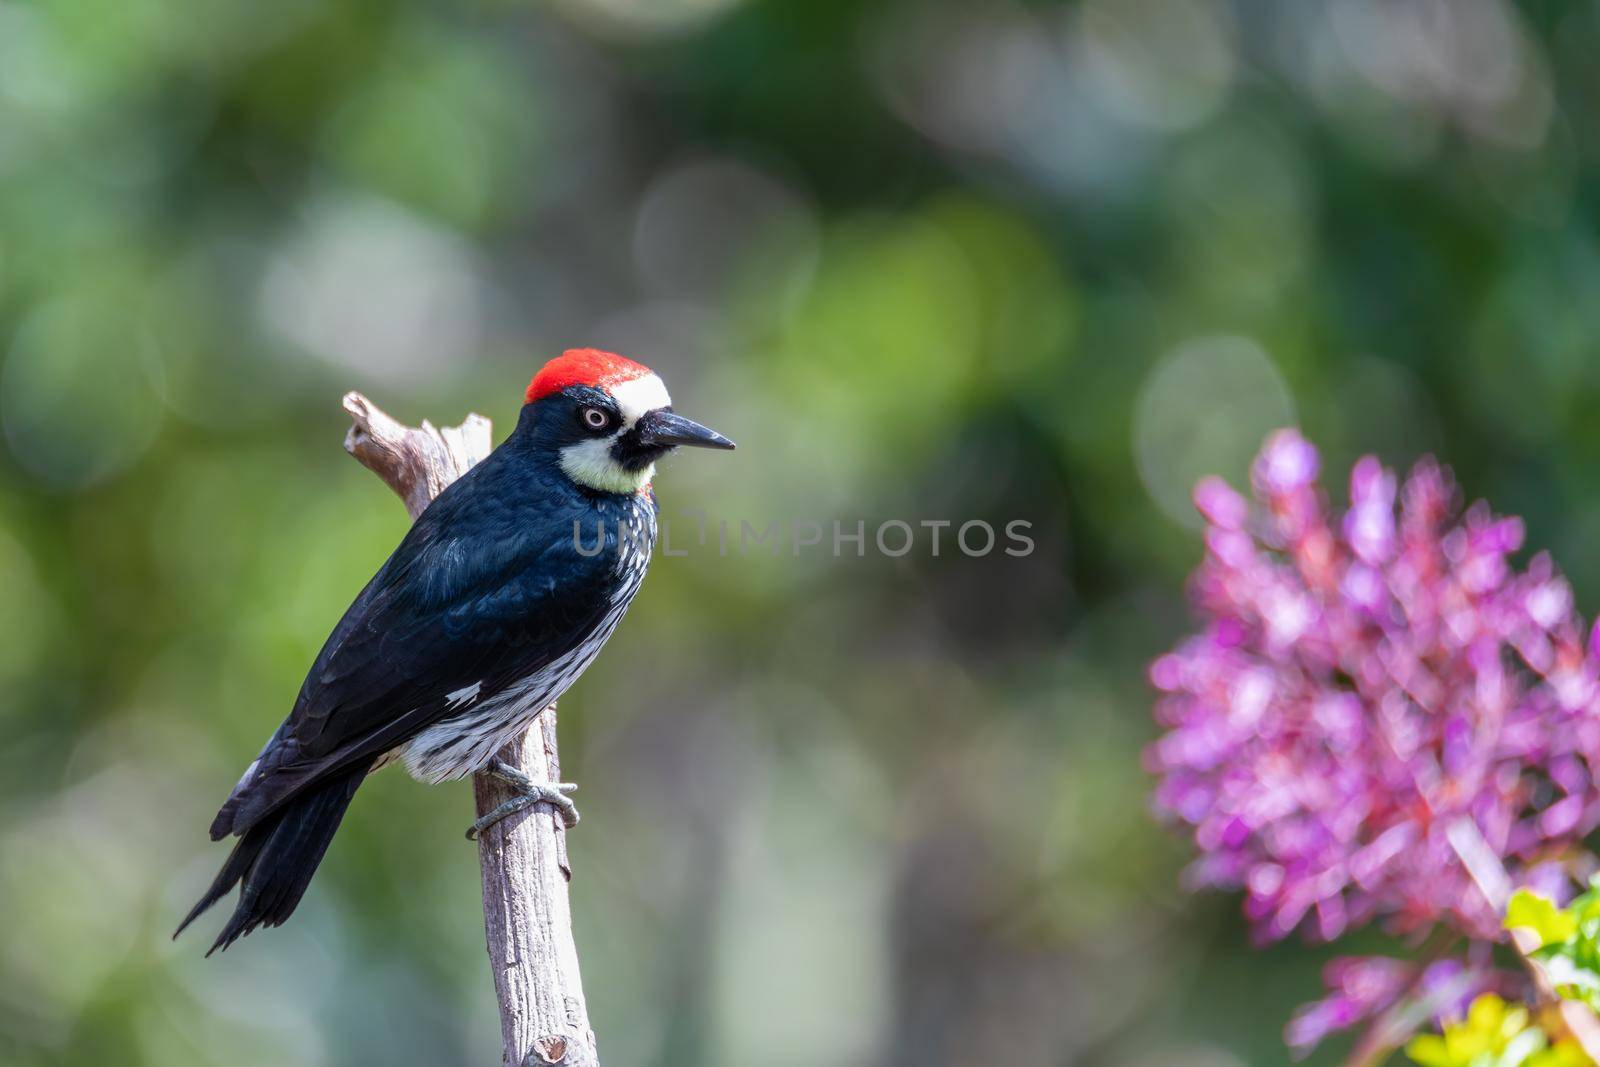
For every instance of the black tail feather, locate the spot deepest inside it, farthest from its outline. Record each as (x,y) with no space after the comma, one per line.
(275,859)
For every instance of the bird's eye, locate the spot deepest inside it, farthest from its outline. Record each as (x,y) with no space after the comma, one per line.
(596,418)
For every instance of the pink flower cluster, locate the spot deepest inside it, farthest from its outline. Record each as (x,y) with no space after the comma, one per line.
(1360,988)
(1362,685)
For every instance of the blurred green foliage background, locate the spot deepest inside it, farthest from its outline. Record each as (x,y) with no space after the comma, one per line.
(922,260)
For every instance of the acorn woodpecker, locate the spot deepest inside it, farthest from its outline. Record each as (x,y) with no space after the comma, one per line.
(499,596)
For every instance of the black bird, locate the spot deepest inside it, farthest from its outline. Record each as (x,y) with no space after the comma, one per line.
(497,599)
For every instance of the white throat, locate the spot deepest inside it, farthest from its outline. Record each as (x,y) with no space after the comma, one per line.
(590,463)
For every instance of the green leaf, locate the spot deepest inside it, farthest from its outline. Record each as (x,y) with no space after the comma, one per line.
(1529,910)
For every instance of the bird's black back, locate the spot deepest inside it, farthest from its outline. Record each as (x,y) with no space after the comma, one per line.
(510,568)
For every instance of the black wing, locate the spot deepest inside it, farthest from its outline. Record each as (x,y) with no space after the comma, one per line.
(467,599)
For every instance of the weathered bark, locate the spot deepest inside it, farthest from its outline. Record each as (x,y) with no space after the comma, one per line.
(527,916)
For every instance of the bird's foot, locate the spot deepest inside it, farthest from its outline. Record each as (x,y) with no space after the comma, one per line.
(530,793)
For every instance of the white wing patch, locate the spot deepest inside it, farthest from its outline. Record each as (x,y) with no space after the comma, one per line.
(462,697)
(248,772)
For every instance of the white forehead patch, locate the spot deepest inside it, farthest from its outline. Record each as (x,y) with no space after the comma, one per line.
(638,396)
(590,462)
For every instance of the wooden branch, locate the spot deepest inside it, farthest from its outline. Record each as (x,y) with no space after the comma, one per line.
(527,917)
(417,462)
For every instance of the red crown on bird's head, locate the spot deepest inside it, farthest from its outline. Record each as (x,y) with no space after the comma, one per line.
(584,366)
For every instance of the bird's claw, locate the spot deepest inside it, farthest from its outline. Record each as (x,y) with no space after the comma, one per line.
(529,793)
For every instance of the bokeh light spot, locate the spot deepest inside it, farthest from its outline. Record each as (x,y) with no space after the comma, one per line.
(1165,64)
(707,224)
(75,405)
(29,615)
(646,18)
(1204,410)
(368,286)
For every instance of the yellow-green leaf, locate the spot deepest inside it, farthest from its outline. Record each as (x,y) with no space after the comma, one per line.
(1529,910)
(1430,1050)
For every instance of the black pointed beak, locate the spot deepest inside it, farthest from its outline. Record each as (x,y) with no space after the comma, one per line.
(667,430)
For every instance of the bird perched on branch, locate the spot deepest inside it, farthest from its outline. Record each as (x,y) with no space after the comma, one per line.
(498,598)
